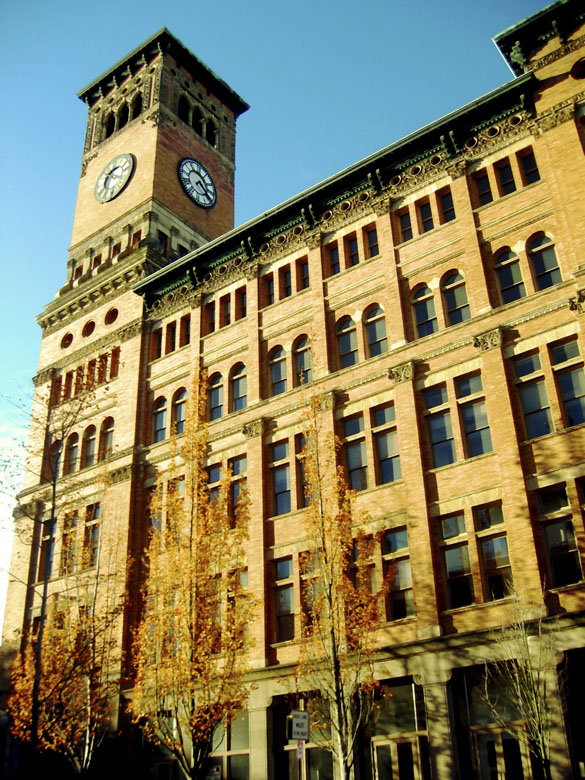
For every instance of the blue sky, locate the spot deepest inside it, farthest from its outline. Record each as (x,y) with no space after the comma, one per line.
(328,82)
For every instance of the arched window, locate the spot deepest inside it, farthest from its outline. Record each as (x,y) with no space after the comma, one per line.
(123,116)
(238,388)
(277,371)
(509,276)
(136,106)
(52,461)
(543,259)
(88,447)
(159,412)
(179,411)
(71,453)
(347,343)
(302,361)
(455,298)
(110,124)
(423,307)
(106,438)
(211,132)
(183,109)
(215,397)
(375,324)
(197,121)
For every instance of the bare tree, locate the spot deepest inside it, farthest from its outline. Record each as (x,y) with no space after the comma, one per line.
(518,687)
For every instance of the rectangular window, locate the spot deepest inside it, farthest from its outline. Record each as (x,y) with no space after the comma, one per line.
(372,242)
(385,444)
(241,303)
(493,552)
(564,566)
(302,274)
(185,332)
(400,597)
(156,344)
(474,419)
(116,249)
(528,167)
(209,318)
(213,481)
(425,216)
(68,544)
(238,467)
(333,259)
(404,225)
(439,427)
(171,337)
(483,188)
(455,554)
(136,237)
(355,452)
(532,395)
(302,497)
(280,478)
(163,242)
(446,207)
(285,282)
(570,380)
(114,362)
(505,177)
(68,385)
(97,261)
(45,567)
(225,311)
(91,538)
(268,289)
(102,371)
(351,251)
(284,611)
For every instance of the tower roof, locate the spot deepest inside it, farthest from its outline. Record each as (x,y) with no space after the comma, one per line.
(518,42)
(162,42)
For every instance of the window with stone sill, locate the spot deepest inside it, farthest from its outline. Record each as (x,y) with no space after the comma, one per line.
(455,556)
(531,389)
(396,564)
(440,431)
(558,534)
(567,365)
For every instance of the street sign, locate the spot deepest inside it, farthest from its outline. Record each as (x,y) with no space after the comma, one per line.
(300,724)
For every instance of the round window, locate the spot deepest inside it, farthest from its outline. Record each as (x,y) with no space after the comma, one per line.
(67,340)
(88,329)
(111,316)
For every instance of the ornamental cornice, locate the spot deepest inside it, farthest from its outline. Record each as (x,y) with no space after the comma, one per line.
(254,428)
(381,204)
(283,244)
(62,312)
(577,304)
(116,337)
(402,373)
(557,54)
(347,210)
(497,135)
(489,340)
(417,175)
(184,296)
(557,115)
(233,269)
(313,238)
(43,376)
(86,161)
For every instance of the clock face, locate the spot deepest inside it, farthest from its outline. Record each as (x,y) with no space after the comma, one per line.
(197,183)
(113,178)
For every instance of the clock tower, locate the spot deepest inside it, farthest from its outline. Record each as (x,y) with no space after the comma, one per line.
(159,158)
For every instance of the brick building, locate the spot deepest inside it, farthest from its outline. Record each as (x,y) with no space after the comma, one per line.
(433,293)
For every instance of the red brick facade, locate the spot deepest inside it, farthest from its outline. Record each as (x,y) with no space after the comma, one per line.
(438,289)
